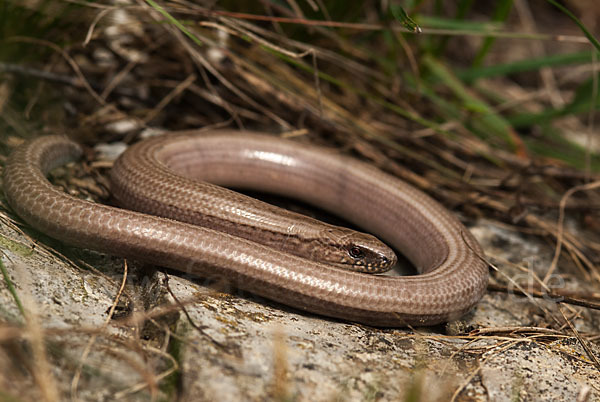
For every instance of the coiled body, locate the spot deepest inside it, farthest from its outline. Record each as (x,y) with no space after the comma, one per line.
(452,275)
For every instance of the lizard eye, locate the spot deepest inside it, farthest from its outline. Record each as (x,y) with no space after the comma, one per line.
(355,252)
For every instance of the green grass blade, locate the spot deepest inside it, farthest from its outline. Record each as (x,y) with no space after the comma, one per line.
(434,22)
(501,13)
(175,22)
(576,20)
(483,121)
(472,74)
(462,8)
(581,103)
(11,288)
(401,16)
(553,145)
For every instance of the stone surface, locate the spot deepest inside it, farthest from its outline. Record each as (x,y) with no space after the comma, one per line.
(229,345)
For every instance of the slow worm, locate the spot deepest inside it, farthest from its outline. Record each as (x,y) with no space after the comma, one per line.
(452,274)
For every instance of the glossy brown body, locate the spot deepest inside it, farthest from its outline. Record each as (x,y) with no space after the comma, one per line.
(452,276)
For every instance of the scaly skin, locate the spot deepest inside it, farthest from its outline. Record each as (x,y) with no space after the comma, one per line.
(452,279)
